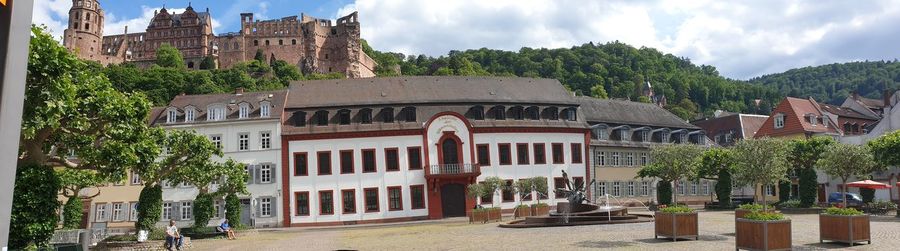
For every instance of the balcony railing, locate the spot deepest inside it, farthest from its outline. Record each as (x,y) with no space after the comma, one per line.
(454,169)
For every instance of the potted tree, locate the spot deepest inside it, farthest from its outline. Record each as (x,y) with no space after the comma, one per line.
(524,188)
(674,162)
(489,187)
(745,209)
(540,188)
(885,149)
(717,164)
(845,225)
(762,162)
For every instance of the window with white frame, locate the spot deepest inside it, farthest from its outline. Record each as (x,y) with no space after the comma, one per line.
(265,173)
(265,207)
(624,135)
(265,140)
(601,158)
(215,113)
(601,188)
(704,188)
(265,109)
(645,159)
(779,120)
(602,134)
(629,159)
(680,187)
(694,188)
(133,215)
(645,135)
(135,178)
(100,214)
(615,189)
(118,212)
(629,191)
(615,159)
(244,110)
(186,210)
(664,136)
(217,209)
(243,141)
(167,211)
(645,188)
(217,140)
(189,114)
(171,116)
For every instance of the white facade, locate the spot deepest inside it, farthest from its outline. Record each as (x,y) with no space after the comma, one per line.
(262,157)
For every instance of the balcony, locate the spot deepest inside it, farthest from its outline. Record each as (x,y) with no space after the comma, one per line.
(453,170)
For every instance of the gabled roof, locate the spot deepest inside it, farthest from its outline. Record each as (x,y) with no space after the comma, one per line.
(751,123)
(872,103)
(230,100)
(795,110)
(845,112)
(630,113)
(423,90)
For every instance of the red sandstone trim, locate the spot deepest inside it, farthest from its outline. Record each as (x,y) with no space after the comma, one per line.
(374,221)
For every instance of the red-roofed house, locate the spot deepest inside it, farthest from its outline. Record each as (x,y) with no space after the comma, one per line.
(798,118)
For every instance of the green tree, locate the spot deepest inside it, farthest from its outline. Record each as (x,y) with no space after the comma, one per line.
(803,157)
(72,213)
(34,207)
(718,164)
(598,91)
(673,163)
(845,161)
(523,187)
(168,56)
(233,209)
(260,55)
(760,163)
(72,181)
(664,192)
(201,175)
(208,63)
(885,149)
(540,187)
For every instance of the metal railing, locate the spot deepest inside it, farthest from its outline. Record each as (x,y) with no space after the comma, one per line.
(453,169)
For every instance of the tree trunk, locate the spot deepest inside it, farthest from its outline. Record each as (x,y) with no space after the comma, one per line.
(844,191)
(675,193)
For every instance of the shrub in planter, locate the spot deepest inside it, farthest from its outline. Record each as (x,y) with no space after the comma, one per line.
(484,215)
(880,207)
(522,211)
(763,231)
(676,222)
(745,209)
(845,225)
(540,209)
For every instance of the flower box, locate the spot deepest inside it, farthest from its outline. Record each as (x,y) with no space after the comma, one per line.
(676,225)
(484,215)
(540,210)
(522,211)
(762,235)
(848,229)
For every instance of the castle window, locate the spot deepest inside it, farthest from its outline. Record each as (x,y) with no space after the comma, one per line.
(87,26)
(293,41)
(87,16)
(280,42)
(326,55)
(190,65)
(267,42)
(236,46)
(255,42)
(77,25)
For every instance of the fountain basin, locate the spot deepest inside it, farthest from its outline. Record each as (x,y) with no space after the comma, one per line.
(583,214)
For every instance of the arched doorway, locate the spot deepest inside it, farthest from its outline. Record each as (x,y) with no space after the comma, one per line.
(453,200)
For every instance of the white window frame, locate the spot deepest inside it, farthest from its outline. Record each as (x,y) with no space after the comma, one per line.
(118,212)
(629,191)
(133,215)
(601,188)
(629,159)
(694,188)
(645,188)
(602,158)
(167,211)
(243,141)
(779,121)
(187,210)
(244,111)
(217,209)
(616,189)
(615,159)
(265,109)
(215,113)
(135,178)
(100,213)
(704,187)
(171,115)
(645,135)
(680,187)
(645,159)
(623,135)
(265,173)
(189,114)
(217,140)
(265,207)
(602,134)
(265,140)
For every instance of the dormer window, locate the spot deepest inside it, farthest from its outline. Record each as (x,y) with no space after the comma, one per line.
(476,113)
(387,115)
(623,135)
(664,137)
(602,133)
(684,138)
(533,113)
(779,121)
(244,111)
(516,113)
(344,117)
(499,113)
(552,113)
(812,119)
(265,109)
(365,116)
(321,118)
(645,135)
(408,114)
(171,115)
(189,114)
(569,114)
(215,113)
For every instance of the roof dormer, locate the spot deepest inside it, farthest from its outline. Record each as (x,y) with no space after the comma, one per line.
(190,113)
(243,110)
(265,109)
(171,115)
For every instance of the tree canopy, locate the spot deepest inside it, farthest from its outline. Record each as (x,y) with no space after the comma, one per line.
(886,148)
(672,162)
(168,56)
(832,83)
(760,162)
(844,161)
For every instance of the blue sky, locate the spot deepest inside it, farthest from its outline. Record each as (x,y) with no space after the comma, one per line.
(741,38)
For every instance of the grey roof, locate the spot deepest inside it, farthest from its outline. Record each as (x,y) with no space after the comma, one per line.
(630,113)
(230,100)
(421,90)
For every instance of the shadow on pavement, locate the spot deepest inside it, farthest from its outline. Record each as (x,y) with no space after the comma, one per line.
(603,244)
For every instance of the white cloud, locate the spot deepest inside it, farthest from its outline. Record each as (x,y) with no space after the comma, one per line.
(742,38)
(53,14)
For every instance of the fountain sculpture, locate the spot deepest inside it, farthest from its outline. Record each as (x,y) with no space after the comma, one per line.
(578,210)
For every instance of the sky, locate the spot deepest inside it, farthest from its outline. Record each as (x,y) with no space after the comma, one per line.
(743,39)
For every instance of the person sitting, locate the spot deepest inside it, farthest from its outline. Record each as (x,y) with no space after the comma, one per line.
(173,236)
(226,228)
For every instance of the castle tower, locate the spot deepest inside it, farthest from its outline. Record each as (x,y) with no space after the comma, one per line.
(85,32)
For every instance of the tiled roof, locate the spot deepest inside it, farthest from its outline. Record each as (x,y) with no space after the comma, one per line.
(871,102)
(230,100)
(751,124)
(629,112)
(844,112)
(424,90)
(795,111)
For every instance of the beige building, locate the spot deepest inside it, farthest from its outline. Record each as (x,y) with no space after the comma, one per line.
(112,206)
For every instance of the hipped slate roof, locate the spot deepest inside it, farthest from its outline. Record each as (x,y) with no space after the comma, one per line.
(421,90)
(230,100)
(628,112)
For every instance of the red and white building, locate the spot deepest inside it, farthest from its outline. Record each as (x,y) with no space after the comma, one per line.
(406,148)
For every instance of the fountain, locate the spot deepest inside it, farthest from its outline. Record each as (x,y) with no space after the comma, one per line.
(578,210)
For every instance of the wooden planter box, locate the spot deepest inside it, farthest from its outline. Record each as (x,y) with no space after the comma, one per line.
(522,212)
(740,213)
(762,235)
(846,229)
(540,210)
(675,226)
(484,216)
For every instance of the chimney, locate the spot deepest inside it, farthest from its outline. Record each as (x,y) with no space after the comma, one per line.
(855,95)
(239,91)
